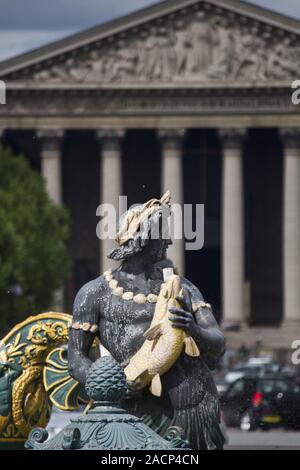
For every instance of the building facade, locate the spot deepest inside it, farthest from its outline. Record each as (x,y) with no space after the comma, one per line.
(188,95)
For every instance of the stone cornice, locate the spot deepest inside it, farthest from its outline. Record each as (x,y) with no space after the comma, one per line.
(209,86)
(150,121)
(124,102)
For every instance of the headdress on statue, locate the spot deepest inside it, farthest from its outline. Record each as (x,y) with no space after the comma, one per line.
(134,218)
(137,223)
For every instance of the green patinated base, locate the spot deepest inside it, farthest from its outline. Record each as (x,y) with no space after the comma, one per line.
(106,426)
(10,444)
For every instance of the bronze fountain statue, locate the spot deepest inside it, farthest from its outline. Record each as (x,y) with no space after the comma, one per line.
(156,324)
(163,339)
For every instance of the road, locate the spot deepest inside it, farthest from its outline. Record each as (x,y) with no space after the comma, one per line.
(271,440)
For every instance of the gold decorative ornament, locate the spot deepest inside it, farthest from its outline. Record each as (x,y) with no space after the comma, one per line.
(23,354)
(199,305)
(94,328)
(152,298)
(34,373)
(108,275)
(140,299)
(127,296)
(119,292)
(28,397)
(113,284)
(85,326)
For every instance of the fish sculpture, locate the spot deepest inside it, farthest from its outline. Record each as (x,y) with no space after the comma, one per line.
(164,344)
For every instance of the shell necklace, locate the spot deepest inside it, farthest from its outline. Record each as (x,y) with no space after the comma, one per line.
(128,295)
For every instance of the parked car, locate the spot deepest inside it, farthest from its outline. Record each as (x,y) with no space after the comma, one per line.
(260,361)
(240,371)
(253,367)
(222,385)
(262,402)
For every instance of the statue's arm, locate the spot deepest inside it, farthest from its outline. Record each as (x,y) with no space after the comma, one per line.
(199,322)
(208,335)
(81,337)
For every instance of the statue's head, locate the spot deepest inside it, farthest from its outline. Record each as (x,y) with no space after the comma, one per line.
(144,228)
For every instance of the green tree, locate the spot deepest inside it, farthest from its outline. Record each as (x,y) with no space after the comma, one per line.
(33,233)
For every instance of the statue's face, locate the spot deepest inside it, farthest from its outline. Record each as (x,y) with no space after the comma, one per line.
(156,249)
(152,240)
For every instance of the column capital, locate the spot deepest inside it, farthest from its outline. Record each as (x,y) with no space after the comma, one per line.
(232,138)
(171,138)
(50,138)
(110,138)
(290,137)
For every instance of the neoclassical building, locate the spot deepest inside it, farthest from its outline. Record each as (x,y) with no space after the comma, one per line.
(188,95)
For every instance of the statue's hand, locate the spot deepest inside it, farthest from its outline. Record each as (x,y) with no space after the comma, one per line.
(183,317)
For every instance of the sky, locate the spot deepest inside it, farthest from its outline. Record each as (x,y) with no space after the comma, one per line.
(27,24)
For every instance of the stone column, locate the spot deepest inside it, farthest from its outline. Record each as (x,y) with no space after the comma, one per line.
(291,225)
(110,183)
(172,179)
(232,226)
(51,155)
(51,162)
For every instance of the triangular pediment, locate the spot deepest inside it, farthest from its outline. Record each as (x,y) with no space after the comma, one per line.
(175,42)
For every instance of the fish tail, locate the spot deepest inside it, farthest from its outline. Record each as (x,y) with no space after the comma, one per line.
(191,348)
(131,371)
(155,387)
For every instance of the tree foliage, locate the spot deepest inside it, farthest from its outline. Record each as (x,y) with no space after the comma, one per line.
(33,232)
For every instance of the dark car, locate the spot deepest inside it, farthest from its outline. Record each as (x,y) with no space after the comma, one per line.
(262,402)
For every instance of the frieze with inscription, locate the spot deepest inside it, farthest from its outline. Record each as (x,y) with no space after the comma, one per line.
(103,104)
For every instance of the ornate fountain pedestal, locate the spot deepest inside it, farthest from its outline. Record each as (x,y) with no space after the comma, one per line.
(106,426)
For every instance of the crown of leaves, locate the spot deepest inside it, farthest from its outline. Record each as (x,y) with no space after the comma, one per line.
(136,216)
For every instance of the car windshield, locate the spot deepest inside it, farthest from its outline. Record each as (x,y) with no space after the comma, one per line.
(275,385)
(246,369)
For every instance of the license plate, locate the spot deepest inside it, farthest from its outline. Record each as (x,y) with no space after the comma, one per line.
(271,419)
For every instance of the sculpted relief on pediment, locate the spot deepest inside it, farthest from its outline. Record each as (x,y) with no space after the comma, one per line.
(197,46)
